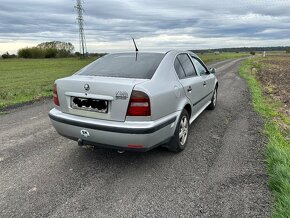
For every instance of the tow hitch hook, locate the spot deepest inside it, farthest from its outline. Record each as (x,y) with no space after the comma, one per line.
(80,142)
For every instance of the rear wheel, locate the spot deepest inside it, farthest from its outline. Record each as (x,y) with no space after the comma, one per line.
(179,140)
(213,100)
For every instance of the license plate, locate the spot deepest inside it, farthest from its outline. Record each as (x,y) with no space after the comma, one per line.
(89,104)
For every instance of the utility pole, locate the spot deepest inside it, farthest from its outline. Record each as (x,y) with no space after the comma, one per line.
(80,20)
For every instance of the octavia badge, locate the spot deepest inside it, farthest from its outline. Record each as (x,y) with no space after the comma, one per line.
(121,95)
(87,87)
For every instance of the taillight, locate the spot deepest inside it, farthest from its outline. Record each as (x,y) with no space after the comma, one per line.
(55,96)
(135,146)
(139,104)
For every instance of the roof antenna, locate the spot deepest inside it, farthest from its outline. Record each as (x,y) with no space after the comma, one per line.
(136,49)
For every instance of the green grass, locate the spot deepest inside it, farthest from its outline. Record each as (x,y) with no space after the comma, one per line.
(24,80)
(278,147)
(211,57)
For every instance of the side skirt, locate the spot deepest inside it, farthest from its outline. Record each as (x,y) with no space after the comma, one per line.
(199,112)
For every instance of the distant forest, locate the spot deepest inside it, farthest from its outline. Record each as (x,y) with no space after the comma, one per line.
(242,49)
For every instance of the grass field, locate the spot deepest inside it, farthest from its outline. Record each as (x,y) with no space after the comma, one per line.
(24,80)
(211,57)
(276,126)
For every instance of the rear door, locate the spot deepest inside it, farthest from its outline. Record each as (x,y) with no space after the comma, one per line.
(191,82)
(208,78)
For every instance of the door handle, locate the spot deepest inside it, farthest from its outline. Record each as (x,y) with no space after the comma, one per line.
(204,83)
(189,89)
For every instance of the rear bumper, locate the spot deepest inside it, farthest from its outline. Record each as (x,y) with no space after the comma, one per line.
(110,134)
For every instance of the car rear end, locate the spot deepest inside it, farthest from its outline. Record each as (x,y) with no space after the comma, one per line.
(105,105)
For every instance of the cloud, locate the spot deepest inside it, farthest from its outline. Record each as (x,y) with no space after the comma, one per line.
(184,24)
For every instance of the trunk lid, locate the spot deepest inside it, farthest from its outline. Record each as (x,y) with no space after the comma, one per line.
(114,92)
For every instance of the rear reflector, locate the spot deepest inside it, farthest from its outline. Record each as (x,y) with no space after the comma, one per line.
(55,96)
(135,146)
(139,104)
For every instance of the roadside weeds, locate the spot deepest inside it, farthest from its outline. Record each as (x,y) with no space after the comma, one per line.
(278,148)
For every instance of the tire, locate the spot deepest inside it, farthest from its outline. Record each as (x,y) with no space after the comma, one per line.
(213,100)
(179,140)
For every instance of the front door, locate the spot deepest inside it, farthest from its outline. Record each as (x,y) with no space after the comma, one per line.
(207,78)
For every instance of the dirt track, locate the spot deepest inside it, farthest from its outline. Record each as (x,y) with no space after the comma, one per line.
(220,174)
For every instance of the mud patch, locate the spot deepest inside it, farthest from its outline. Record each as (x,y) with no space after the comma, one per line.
(275,78)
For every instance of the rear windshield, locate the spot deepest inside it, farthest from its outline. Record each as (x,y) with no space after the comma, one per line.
(125,65)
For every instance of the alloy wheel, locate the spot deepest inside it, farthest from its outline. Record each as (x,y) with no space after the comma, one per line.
(183,131)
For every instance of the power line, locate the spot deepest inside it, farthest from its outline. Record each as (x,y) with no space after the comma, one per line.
(80,20)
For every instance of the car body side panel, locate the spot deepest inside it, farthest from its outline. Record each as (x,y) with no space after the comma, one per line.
(168,93)
(165,91)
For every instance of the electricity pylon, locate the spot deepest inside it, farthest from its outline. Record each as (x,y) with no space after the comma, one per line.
(80,20)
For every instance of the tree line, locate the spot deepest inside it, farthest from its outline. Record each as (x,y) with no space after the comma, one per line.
(54,49)
(244,49)
(58,49)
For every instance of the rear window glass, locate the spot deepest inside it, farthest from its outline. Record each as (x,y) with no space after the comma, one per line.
(125,65)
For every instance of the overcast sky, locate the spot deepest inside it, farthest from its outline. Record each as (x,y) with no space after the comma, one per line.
(156,24)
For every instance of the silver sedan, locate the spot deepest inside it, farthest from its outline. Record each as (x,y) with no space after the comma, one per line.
(134,101)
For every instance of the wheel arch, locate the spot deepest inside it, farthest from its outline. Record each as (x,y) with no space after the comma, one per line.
(188,108)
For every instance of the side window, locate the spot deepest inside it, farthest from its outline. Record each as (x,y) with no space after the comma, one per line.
(179,70)
(199,67)
(187,65)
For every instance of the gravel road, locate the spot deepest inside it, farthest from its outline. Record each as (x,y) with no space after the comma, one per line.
(220,174)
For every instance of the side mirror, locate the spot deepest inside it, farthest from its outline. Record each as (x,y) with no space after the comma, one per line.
(212,70)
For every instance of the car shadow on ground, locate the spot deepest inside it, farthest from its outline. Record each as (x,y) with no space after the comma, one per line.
(91,160)
(95,158)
